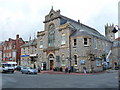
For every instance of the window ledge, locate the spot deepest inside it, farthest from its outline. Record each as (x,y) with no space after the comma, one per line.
(75,65)
(99,66)
(86,45)
(62,65)
(62,44)
(74,46)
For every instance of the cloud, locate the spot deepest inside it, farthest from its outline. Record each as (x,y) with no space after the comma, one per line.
(26,17)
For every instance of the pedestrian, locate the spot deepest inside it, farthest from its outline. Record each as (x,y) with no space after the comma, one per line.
(66,69)
(84,69)
(69,70)
(39,69)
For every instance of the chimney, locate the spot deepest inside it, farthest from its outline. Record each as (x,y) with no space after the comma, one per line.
(78,21)
(17,36)
(9,39)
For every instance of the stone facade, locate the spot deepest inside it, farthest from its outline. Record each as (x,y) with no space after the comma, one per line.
(116,53)
(29,54)
(65,42)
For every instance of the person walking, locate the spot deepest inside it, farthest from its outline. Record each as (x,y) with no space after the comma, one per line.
(66,69)
(69,70)
(39,69)
(84,69)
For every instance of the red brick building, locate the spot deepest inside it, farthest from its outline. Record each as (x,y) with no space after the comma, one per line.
(12,49)
(1,51)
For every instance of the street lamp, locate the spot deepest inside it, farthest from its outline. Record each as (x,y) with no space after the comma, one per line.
(116,28)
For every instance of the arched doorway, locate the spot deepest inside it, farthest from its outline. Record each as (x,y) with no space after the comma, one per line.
(51,61)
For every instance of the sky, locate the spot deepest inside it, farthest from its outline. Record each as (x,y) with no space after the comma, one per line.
(25,17)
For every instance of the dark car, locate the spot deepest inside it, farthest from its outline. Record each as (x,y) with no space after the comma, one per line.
(18,68)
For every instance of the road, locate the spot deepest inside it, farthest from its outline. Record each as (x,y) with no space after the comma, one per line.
(101,80)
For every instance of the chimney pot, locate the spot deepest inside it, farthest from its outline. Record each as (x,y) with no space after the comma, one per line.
(17,36)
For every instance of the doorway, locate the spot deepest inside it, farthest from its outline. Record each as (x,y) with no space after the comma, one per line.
(51,64)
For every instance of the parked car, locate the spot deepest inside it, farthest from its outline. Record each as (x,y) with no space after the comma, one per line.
(29,70)
(18,68)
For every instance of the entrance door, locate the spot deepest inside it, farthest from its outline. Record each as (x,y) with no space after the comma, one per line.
(51,64)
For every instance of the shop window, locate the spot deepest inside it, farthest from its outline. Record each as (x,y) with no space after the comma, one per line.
(63,60)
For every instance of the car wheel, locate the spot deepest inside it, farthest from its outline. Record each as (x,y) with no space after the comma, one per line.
(12,71)
(28,72)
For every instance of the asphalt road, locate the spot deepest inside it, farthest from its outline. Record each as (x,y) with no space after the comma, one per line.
(18,80)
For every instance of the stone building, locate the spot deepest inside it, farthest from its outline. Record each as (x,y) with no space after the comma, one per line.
(29,54)
(66,42)
(108,32)
(12,50)
(116,53)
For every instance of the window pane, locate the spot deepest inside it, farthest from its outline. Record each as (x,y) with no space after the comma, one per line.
(41,44)
(85,41)
(75,59)
(63,60)
(75,42)
(63,39)
(51,35)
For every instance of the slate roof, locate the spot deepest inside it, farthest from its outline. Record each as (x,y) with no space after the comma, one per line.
(82,29)
(30,43)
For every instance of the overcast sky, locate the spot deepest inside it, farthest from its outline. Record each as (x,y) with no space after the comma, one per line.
(25,17)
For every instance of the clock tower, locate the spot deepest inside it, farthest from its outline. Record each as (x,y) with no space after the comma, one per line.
(108,32)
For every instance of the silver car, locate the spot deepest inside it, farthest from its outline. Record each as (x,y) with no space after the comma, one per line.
(29,70)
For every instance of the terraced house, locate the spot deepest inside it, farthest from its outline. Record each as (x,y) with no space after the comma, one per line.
(12,50)
(29,54)
(66,42)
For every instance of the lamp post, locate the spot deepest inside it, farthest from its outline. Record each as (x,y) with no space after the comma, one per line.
(116,28)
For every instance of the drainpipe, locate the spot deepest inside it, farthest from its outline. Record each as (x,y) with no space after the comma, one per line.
(69,50)
(70,58)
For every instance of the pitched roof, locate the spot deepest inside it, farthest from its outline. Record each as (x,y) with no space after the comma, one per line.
(30,43)
(82,29)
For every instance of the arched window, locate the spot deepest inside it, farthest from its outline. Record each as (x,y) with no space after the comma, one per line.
(75,59)
(63,60)
(51,35)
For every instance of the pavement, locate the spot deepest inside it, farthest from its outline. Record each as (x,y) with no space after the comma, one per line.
(73,73)
(56,72)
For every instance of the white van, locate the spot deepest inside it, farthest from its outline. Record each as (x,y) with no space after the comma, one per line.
(7,68)
(13,63)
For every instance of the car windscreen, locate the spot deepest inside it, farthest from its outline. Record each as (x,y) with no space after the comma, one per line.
(7,65)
